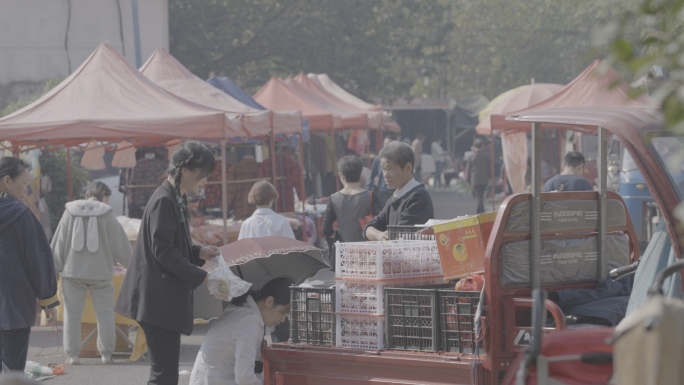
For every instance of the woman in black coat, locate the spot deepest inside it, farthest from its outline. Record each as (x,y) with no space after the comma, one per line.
(165,267)
(27,270)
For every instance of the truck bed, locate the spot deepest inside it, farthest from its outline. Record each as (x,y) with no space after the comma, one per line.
(286,364)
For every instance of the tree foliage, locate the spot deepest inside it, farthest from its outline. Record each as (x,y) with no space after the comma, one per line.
(357,42)
(660,42)
(53,164)
(390,48)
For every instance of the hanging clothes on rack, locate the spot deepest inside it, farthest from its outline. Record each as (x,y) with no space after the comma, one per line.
(248,168)
(288,168)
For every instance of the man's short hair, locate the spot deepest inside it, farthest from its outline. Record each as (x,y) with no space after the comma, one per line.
(574,159)
(399,153)
(478,143)
(262,193)
(350,166)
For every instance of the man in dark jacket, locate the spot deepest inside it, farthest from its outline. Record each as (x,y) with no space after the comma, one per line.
(384,192)
(27,271)
(479,171)
(410,204)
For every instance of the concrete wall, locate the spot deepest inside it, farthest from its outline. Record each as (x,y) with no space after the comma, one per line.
(48,39)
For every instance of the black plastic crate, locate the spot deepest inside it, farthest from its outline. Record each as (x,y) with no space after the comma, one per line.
(411,318)
(457,320)
(407,233)
(312,315)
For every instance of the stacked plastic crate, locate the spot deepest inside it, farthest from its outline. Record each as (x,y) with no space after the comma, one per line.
(363,270)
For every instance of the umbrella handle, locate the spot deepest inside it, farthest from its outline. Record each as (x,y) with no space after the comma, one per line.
(240,272)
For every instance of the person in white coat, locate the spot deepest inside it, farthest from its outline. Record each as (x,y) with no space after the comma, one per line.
(265,222)
(87,241)
(231,351)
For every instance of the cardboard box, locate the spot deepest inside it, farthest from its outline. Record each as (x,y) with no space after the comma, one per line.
(462,243)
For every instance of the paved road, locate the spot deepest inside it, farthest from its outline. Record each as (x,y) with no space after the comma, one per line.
(91,371)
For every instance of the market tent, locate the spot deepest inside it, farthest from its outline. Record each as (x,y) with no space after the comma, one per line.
(514,100)
(106,99)
(349,118)
(228,86)
(278,96)
(167,72)
(598,85)
(335,89)
(352,116)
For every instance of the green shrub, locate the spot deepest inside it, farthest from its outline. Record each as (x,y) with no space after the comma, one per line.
(53,164)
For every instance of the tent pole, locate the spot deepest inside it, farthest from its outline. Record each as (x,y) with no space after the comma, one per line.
(273,155)
(492,161)
(224,192)
(378,141)
(337,178)
(70,185)
(303,187)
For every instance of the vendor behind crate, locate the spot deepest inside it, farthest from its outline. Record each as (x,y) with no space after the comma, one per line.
(410,204)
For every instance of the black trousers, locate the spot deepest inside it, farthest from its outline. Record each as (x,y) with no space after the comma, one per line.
(479,190)
(163,348)
(14,348)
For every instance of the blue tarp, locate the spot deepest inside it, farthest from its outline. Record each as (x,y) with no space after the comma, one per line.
(228,86)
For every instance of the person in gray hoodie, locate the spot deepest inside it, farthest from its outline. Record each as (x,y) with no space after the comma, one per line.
(87,241)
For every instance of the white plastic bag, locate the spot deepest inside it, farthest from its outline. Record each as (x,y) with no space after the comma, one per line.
(222,283)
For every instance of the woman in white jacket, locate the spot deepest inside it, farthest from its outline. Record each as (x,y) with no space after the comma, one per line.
(231,351)
(265,222)
(87,241)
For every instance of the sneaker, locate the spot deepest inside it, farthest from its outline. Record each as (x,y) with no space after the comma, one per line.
(73,360)
(107,360)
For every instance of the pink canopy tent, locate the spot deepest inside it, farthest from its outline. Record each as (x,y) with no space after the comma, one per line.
(352,117)
(170,74)
(375,111)
(167,72)
(278,96)
(596,86)
(106,99)
(518,99)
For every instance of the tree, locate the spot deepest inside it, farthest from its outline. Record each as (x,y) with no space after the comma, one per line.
(389,49)
(660,42)
(53,164)
(366,45)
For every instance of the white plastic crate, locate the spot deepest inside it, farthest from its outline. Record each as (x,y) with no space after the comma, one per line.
(387,260)
(360,332)
(367,297)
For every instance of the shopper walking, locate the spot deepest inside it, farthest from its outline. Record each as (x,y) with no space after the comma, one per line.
(27,270)
(87,241)
(479,171)
(438,156)
(384,192)
(165,267)
(417,147)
